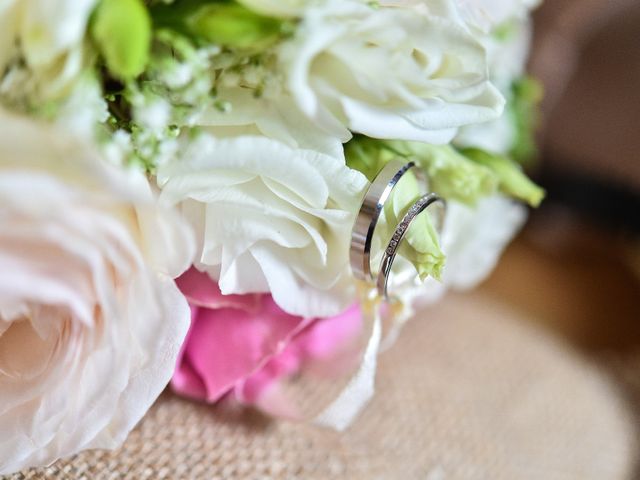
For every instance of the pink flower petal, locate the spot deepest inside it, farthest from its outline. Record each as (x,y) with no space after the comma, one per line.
(246,345)
(226,345)
(327,346)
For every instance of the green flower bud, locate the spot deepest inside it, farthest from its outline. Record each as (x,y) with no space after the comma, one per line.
(421,245)
(513,180)
(122,32)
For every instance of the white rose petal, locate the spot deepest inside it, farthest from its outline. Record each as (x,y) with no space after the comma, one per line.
(91,321)
(474,238)
(487,14)
(400,73)
(270,218)
(507,61)
(49,35)
(276,118)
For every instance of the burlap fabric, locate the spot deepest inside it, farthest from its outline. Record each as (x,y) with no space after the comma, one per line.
(468,392)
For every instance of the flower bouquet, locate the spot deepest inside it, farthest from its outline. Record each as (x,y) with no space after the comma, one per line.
(238,198)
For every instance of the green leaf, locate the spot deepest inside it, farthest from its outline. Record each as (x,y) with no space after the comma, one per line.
(367,155)
(233,25)
(122,32)
(513,181)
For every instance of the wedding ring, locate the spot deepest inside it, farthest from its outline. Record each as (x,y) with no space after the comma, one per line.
(389,255)
(367,219)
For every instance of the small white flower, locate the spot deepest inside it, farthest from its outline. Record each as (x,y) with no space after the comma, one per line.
(151,112)
(269,218)
(387,72)
(118,148)
(84,110)
(91,320)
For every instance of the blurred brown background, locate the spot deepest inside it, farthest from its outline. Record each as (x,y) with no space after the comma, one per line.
(580,252)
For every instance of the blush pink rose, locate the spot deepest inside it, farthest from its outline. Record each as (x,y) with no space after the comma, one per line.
(243,345)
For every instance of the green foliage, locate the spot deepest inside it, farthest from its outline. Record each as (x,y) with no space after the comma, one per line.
(451,174)
(224,23)
(526,94)
(512,180)
(368,155)
(233,25)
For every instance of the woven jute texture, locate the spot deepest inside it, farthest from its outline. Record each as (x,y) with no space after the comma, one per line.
(468,392)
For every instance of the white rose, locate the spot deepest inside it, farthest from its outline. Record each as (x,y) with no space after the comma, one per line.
(91,321)
(474,238)
(400,73)
(48,35)
(488,14)
(270,218)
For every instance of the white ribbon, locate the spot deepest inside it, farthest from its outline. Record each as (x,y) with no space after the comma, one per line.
(344,409)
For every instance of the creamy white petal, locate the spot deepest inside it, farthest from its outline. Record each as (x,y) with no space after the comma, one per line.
(388,72)
(274,218)
(50,28)
(91,320)
(276,117)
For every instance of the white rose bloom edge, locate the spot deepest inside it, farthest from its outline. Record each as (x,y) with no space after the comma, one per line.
(394,73)
(269,218)
(91,321)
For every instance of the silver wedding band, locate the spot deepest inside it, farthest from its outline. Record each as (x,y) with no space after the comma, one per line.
(363,230)
(429,200)
(367,219)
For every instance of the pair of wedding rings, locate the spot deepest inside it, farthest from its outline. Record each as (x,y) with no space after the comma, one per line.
(363,230)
